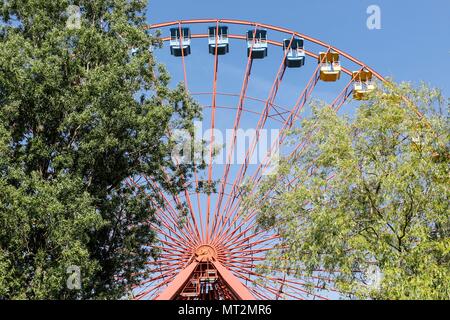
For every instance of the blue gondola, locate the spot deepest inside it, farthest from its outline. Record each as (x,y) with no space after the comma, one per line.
(222,40)
(258,39)
(180,47)
(295,57)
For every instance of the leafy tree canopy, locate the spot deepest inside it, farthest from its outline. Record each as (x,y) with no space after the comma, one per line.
(82,107)
(370,202)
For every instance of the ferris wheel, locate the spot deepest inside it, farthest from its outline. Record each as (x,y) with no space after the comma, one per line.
(217,253)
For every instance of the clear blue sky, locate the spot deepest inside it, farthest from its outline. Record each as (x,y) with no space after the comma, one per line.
(413,44)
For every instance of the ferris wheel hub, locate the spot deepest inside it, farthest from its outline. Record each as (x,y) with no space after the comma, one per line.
(205,253)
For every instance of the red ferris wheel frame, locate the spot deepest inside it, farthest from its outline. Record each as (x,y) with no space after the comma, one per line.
(214,258)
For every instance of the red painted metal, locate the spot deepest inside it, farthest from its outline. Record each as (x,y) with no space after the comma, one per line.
(177,284)
(219,255)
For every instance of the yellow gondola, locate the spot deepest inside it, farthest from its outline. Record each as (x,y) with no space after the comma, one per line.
(330,66)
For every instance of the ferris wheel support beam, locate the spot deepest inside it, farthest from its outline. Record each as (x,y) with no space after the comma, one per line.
(240,291)
(177,283)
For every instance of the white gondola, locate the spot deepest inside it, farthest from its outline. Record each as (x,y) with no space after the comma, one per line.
(295,56)
(363,84)
(222,40)
(180,46)
(257,43)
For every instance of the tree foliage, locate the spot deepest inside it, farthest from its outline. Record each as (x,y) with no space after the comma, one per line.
(81,109)
(371,198)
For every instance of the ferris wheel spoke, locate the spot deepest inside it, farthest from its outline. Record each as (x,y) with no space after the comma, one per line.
(274,291)
(185,81)
(199,206)
(182,57)
(335,105)
(161,208)
(261,123)
(192,228)
(301,101)
(212,137)
(269,102)
(170,248)
(241,243)
(175,214)
(259,294)
(171,251)
(175,241)
(240,107)
(158,261)
(165,273)
(160,231)
(161,214)
(288,271)
(244,97)
(293,116)
(297,288)
(153,289)
(345,93)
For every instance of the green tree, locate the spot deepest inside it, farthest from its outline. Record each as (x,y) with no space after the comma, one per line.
(83,106)
(371,198)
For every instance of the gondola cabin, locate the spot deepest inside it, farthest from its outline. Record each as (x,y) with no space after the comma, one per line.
(363,84)
(295,53)
(330,66)
(221,40)
(180,46)
(257,43)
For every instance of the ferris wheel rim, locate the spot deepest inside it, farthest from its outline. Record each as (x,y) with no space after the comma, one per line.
(287,31)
